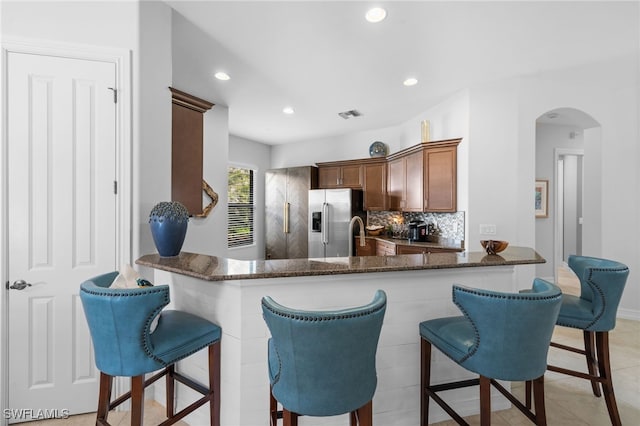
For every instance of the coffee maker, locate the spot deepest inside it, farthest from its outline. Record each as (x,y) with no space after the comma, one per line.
(416,228)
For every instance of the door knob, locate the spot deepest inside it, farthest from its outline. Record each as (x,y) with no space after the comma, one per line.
(19,285)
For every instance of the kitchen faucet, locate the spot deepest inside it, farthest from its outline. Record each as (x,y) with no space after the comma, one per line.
(362,242)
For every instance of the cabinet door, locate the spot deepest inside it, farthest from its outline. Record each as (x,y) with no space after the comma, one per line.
(274,207)
(351,176)
(395,185)
(440,179)
(299,181)
(375,186)
(329,177)
(414,181)
(400,249)
(385,249)
(369,249)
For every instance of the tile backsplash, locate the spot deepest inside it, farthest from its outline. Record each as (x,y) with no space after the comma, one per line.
(447,225)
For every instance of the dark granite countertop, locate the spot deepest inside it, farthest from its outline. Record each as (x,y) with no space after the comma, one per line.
(212,268)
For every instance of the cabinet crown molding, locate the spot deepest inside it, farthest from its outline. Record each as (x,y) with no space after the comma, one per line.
(424,145)
(186,100)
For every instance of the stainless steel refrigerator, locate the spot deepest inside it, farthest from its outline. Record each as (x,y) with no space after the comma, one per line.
(330,212)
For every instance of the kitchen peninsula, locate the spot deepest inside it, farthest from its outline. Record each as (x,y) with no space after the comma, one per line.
(418,287)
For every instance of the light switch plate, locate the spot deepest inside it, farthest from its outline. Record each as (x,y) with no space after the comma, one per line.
(487,229)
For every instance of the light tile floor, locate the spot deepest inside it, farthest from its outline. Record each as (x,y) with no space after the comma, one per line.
(154,414)
(569,401)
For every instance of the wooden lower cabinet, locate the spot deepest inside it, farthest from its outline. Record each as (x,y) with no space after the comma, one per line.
(402,249)
(369,248)
(384,248)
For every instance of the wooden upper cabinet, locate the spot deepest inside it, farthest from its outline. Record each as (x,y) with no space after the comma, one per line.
(375,185)
(414,170)
(340,174)
(441,178)
(423,178)
(405,187)
(187,129)
(396,184)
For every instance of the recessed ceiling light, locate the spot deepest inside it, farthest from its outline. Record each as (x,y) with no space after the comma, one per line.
(410,82)
(288,110)
(375,15)
(221,75)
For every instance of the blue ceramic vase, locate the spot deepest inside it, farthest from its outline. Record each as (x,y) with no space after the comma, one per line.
(168,222)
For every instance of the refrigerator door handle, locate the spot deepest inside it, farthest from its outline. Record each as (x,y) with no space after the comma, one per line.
(325,224)
(285,222)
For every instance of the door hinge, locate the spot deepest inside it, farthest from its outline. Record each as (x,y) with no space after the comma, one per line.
(115,187)
(115,94)
(7,285)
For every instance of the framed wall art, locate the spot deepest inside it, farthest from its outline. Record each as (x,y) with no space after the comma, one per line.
(542,198)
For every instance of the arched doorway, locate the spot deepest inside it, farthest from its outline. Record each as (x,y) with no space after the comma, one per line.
(568,147)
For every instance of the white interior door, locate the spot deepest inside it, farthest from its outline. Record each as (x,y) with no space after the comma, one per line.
(62,225)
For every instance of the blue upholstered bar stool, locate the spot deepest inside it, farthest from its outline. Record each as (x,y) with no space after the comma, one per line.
(119,322)
(501,336)
(602,282)
(323,363)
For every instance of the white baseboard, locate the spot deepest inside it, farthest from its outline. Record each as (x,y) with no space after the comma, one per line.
(631,314)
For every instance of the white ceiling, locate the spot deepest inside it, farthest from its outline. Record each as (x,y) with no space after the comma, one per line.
(322,57)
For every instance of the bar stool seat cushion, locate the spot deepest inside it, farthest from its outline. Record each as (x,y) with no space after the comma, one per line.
(576,312)
(454,336)
(180,334)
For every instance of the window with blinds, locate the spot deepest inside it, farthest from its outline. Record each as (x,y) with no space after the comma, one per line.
(240,196)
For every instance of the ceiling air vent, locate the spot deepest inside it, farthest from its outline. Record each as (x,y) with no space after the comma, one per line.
(348,114)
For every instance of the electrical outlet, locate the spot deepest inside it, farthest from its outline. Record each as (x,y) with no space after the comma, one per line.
(487,229)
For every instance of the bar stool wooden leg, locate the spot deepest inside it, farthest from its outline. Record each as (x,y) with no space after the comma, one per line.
(425,380)
(527,394)
(214,383)
(104,397)
(289,418)
(273,409)
(485,401)
(137,400)
(170,384)
(590,353)
(604,366)
(364,414)
(538,395)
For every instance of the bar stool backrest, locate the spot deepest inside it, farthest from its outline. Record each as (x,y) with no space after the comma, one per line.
(512,330)
(602,283)
(322,363)
(119,322)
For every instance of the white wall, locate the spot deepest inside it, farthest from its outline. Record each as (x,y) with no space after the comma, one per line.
(192,64)
(609,93)
(152,122)
(255,156)
(548,138)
